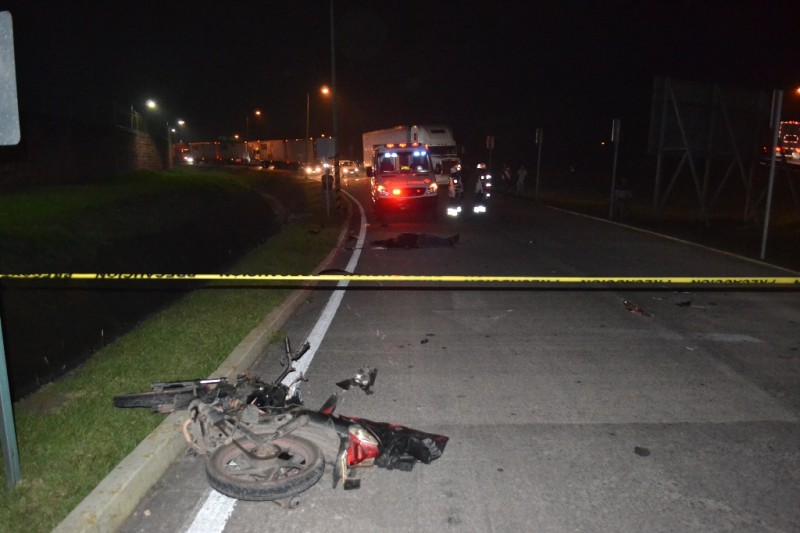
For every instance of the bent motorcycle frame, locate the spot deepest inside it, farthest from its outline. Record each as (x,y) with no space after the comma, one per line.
(343,443)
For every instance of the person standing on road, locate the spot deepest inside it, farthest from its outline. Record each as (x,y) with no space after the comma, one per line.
(505,178)
(522,173)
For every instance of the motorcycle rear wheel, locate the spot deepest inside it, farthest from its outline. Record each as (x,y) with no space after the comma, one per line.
(287,466)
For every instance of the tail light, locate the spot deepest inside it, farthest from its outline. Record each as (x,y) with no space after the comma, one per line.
(364,446)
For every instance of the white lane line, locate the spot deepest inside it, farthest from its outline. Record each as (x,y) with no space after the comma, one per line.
(214,514)
(725,337)
(324,322)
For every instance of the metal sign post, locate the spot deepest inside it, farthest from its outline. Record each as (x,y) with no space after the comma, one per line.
(775,123)
(9,434)
(490,147)
(615,124)
(9,135)
(539,140)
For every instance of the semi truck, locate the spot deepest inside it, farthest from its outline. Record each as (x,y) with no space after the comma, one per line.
(444,151)
(219,152)
(402,178)
(789,135)
(293,150)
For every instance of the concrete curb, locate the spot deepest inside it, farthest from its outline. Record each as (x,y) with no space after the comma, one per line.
(110,504)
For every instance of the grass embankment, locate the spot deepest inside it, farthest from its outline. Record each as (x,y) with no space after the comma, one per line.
(68,433)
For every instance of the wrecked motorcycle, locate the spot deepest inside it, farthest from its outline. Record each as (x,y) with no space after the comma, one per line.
(262,444)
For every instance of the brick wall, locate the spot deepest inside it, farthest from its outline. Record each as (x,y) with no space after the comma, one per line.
(54,150)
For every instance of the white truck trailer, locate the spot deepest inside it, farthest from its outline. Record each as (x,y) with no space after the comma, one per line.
(220,153)
(293,150)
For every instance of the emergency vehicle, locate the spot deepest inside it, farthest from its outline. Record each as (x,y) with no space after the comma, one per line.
(437,137)
(402,178)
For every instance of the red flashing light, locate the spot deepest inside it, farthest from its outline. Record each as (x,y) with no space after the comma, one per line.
(397,192)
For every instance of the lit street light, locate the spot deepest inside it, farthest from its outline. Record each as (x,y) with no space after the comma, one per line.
(324,90)
(334,96)
(257,113)
(150,104)
(170,131)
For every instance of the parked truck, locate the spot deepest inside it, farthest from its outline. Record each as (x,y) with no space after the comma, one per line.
(439,138)
(295,151)
(220,152)
(402,178)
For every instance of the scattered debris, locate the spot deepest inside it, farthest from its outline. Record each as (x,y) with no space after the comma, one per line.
(351,484)
(641,451)
(633,308)
(364,379)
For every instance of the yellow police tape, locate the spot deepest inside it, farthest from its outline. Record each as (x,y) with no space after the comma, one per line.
(389,278)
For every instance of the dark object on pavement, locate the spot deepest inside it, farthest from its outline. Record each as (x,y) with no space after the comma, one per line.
(417,240)
(334,271)
(633,308)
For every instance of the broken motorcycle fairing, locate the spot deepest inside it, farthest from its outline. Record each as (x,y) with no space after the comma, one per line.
(401,446)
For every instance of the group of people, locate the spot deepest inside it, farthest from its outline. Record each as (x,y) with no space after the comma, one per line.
(505,179)
(457,178)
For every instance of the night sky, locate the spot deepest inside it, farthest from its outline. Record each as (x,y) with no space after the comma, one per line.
(492,67)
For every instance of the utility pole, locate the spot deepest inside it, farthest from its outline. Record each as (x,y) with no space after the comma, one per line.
(336,177)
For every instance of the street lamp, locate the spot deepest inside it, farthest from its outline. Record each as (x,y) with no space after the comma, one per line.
(324,90)
(170,131)
(257,113)
(150,104)
(334,95)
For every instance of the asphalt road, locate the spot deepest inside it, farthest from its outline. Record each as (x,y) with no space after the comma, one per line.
(565,411)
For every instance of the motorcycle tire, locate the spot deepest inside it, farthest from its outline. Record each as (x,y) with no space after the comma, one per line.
(291,467)
(181,400)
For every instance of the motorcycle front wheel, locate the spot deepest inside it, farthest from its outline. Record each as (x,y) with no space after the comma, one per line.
(282,468)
